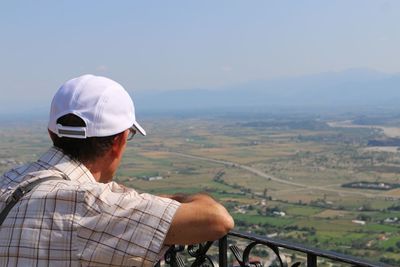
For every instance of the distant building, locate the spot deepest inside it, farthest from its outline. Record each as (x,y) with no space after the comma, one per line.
(279,213)
(391,220)
(358,222)
(272,235)
(155,178)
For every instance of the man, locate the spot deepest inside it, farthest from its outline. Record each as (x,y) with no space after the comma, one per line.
(75,214)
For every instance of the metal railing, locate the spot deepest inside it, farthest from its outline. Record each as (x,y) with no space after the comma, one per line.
(213,254)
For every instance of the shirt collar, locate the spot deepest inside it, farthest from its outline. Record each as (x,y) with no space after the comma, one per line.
(73,169)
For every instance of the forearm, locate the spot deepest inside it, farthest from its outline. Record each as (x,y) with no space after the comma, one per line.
(200,218)
(187,198)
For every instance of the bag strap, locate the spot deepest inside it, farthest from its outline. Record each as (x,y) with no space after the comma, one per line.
(19,193)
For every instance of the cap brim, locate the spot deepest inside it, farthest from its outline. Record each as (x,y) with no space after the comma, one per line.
(139,128)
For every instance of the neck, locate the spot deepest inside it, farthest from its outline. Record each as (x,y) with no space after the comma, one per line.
(103,168)
(98,170)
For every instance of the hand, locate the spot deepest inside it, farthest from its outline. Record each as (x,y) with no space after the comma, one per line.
(200,218)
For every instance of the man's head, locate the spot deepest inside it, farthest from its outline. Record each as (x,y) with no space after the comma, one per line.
(89,114)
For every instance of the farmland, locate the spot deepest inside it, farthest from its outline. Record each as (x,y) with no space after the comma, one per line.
(277,176)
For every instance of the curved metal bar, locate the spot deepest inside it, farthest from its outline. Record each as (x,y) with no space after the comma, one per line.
(244,261)
(205,261)
(237,254)
(199,249)
(281,258)
(200,254)
(172,258)
(247,251)
(338,257)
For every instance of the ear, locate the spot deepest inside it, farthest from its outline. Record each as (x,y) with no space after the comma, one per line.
(119,143)
(52,135)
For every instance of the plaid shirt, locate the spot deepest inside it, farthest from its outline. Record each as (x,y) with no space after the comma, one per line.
(79,221)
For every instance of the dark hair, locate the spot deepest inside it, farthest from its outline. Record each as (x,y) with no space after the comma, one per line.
(83,150)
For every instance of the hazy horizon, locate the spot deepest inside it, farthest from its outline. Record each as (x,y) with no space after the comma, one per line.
(156,47)
(354,90)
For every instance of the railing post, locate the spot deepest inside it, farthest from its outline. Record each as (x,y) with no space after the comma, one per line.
(223,251)
(311,260)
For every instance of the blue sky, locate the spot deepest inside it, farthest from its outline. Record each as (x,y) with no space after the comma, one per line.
(168,45)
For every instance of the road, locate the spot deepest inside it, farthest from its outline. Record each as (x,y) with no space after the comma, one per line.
(297,186)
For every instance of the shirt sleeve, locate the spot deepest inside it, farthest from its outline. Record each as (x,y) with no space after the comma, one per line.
(123,229)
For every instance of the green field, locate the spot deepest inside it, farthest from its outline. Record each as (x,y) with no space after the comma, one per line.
(302,172)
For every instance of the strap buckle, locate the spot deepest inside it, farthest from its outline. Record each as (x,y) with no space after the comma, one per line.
(16,195)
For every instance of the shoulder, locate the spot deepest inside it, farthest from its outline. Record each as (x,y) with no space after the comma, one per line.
(117,198)
(14,175)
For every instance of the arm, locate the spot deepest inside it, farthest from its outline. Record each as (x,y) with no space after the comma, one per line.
(199,218)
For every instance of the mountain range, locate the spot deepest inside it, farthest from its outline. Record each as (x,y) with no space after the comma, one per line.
(349,88)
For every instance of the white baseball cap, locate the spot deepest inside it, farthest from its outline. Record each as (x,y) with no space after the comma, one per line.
(103,104)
